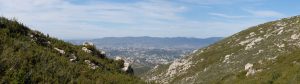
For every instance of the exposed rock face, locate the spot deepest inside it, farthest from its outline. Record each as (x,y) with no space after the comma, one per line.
(250,55)
(183,64)
(126,65)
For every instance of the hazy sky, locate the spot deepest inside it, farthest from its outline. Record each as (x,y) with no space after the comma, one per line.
(77,19)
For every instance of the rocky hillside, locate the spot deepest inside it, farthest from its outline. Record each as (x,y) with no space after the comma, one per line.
(28,56)
(268,53)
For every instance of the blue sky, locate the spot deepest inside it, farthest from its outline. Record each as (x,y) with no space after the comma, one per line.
(87,19)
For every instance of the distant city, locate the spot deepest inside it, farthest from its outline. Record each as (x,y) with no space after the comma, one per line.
(147,52)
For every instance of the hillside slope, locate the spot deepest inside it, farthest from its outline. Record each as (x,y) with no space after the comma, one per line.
(28,56)
(267,53)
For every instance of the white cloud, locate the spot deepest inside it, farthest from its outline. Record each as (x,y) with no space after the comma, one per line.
(254,14)
(93,11)
(65,16)
(96,18)
(265,13)
(227,16)
(212,2)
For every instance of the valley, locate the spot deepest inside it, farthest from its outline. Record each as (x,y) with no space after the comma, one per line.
(147,52)
(149,42)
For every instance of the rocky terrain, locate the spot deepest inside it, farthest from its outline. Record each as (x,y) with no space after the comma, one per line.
(266,54)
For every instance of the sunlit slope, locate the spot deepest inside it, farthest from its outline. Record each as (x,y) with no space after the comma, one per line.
(267,53)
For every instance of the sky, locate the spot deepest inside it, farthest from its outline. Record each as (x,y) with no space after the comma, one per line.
(89,19)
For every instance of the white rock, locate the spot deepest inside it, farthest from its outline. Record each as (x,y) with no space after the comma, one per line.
(249,69)
(118,58)
(102,52)
(205,69)
(295,36)
(272,58)
(126,66)
(91,65)
(87,61)
(251,72)
(88,44)
(201,51)
(48,42)
(60,51)
(31,35)
(248,66)
(251,35)
(202,60)
(280,45)
(245,42)
(259,70)
(194,51)
(86,50)
(73,58)
(178,66)
(295,62)
(280,32)
(261,31)
(226,59)
(253,42)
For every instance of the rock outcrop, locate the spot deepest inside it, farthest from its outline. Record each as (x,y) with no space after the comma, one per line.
(89,47)
(126,65)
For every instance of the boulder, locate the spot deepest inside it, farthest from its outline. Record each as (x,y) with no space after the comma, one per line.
(60,51)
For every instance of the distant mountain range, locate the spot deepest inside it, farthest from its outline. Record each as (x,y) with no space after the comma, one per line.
(150,42)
